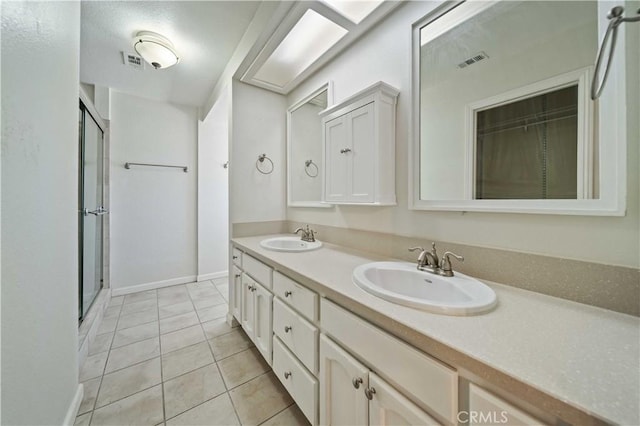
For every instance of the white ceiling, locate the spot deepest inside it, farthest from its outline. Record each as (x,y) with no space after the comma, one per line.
(204,33)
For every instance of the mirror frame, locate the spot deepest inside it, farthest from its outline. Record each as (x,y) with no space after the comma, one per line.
(328,86)
(612,140)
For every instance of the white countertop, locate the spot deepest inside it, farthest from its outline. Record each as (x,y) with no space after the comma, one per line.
(585,356)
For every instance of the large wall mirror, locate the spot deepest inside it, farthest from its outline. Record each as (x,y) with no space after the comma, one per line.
(304,149)
(502,117)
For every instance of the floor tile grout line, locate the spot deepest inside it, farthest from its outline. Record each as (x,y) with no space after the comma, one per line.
(279,412)
(127,396)
(164,411)
(234,405)
(199,404)
(93,409)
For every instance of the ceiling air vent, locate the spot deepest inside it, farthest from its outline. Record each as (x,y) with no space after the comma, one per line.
(472,60)
(133,61)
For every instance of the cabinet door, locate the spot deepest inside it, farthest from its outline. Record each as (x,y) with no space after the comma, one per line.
(336,159)
(389,407)
(248,311)
(362,165)
(235,293)
(342,384)
(263,332)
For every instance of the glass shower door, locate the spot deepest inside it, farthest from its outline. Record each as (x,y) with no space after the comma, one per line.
(91,210)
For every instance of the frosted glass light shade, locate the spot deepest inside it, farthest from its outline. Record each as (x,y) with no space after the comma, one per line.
(155,49)
(310,37)
(355,11)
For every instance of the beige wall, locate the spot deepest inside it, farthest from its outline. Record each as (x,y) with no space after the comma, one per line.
(385,54)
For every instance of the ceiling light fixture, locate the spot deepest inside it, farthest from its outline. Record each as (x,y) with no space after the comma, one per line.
(157,50)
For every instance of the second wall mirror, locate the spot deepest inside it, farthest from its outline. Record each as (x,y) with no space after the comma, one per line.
(304,149)
(502,117)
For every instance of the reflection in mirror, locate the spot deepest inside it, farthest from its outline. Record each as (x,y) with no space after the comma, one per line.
(504,73)
(503,108)
(304,128)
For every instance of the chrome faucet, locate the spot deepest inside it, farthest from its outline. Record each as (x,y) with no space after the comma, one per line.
(308,234)
(428,261)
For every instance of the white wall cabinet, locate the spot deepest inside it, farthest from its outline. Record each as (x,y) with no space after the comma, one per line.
(350,394)
(359,148)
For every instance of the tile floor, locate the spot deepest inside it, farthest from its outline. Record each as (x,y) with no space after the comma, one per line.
(168,357)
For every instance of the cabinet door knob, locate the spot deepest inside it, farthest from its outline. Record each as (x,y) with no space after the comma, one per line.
(287,293)
(238,275)
(357,381)
(287,328)
(287,374)
(369,392)
(234,257)
(345,150)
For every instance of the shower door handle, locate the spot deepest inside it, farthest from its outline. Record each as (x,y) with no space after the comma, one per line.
(100,211)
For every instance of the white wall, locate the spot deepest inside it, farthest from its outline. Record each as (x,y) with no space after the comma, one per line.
(213,189)
(153,210)
(40,50)
(258,127)
(385,54)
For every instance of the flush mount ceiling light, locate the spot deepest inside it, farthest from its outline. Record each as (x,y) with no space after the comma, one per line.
(155,49)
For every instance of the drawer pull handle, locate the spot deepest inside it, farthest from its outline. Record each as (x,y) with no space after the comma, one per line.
(287,293)
(287,328)
(234,257)
(287,374)
(369,392)
(357,381)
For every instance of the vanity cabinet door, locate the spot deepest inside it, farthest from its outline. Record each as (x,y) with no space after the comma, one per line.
(247,310)
(236,293)
(342,383)
(389,407)
(263,331)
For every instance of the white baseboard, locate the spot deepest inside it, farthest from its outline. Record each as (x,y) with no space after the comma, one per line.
(212,276)
(72,412)
(152,285)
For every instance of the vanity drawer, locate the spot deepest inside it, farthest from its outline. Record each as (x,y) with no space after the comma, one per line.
(257,270)
(236,257)
(425,379)
(298,297)
(301,385)
(300,336)
(497,409)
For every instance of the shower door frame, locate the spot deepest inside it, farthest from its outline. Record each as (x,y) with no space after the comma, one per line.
(87,108)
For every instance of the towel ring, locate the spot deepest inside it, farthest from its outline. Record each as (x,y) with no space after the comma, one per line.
(306,168)
(260,160)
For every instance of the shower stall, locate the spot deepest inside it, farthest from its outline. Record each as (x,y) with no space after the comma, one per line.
(91,211)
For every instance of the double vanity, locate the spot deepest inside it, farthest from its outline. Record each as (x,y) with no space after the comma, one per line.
(350,347)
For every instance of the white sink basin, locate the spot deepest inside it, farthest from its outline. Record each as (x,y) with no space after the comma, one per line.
(290,244)
(404,284)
